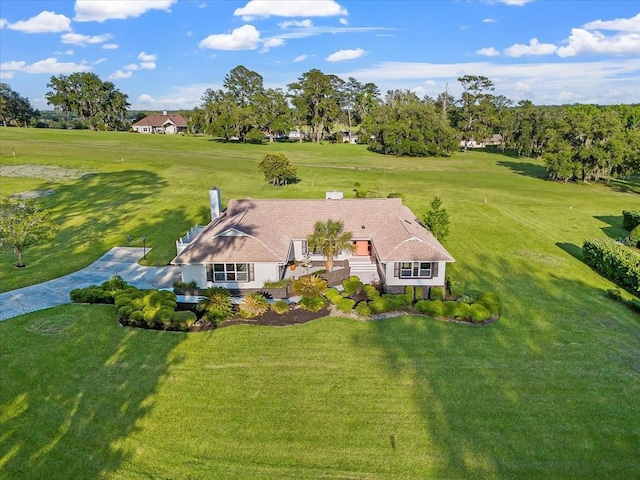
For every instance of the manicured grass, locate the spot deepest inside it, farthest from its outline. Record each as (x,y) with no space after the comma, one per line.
(548,391)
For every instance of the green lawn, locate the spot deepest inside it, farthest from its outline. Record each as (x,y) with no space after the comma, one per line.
(548,391)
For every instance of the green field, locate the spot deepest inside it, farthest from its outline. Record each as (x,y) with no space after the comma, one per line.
(548,391)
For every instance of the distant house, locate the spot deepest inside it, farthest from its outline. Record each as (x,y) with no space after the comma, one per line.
(495,139)
(254,241)
(161,123)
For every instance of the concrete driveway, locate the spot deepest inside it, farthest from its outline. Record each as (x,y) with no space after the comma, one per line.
(120,260)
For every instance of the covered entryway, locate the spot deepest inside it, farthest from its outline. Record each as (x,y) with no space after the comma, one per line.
(363,248)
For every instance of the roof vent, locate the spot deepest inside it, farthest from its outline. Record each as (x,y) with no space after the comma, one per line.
(334,195)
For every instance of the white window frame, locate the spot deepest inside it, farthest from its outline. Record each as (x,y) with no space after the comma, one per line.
(416,269)
(228,272)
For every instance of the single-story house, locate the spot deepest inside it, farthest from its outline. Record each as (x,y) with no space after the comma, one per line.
(255,241)
(161,123)
(495,139)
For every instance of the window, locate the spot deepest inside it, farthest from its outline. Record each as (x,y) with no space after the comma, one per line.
(229,272)
(414,269)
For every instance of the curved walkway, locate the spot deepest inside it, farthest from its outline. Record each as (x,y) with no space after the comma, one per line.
(120,260)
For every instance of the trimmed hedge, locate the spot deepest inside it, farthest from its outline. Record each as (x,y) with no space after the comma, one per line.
(363,309)
(436,293)
(433,308)
(613,261)
(345,305)
(352,285)
(479,313)
(491,302)
(371,291)
(630,219)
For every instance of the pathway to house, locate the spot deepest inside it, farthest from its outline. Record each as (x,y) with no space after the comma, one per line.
(120,260)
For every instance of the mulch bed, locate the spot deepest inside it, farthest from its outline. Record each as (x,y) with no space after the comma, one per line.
(295,316)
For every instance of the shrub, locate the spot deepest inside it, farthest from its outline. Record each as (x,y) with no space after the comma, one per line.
(184,286)
(122,300)
(345,305)
(418,293)
(253,305)
(379,305)
(125,311)
(186,317)
(255,136)
(136,319)
(309,286)
(280,307)
(333,295)
(433,308)
(371,291)
(614,261)
(363,309)
(352,285)
(462,311)
(217,304)
(396,195)
(116,282)
(91,294)
(436,293)
(396,302)
(409,292)
(153,298)
(313,304)
(634,237)
(630,219)
(478,312)
(491,302)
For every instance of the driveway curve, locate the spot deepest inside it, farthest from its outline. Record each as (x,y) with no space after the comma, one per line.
(120,260)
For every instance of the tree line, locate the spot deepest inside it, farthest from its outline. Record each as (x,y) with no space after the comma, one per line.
(577,142)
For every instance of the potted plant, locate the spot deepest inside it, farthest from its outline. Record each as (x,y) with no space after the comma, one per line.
(292,265)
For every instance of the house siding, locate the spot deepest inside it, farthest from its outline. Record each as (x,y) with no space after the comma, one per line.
(392,281)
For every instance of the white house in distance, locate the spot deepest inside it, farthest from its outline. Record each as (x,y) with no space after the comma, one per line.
(161,123)
(255,241)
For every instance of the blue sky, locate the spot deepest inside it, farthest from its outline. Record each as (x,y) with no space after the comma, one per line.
(163,54)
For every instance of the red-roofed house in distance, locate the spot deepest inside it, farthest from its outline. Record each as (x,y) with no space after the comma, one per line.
(161,123)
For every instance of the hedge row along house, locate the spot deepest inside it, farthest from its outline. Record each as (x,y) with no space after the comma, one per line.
(258,241)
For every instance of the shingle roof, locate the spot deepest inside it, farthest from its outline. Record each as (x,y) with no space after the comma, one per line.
(158,120)
(262,230)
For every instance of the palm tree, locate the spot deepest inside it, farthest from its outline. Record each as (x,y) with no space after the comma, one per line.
(330,239)
(217,304)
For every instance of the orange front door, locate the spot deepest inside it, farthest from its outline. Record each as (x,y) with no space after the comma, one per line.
(362,248)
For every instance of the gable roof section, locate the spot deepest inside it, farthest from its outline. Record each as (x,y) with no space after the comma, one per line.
(159,120)
(263,230)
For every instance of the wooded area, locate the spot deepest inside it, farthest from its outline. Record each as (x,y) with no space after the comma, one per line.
(577,142)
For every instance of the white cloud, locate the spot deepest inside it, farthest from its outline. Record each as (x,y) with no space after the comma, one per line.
(516,3)
(347,54)
(246,37)
(6,75)
(119,74)
(534,48)
(599,81)
(84,40)
(49,65)
(131,67)
(290,8)
(300,58)
(488,52)
(296,23)
(148,65)
(272,43)
(582,41)
(489,20)
(110,46)
(3,23)
(99,61)
(44,22)
(182,97)
(99,11)
(344,21)
(147,57)
(619,24)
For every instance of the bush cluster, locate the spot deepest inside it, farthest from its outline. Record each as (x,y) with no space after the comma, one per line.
(613,261)
(633,304)
(630,219)
(104,293)
(154,309)
(253,305)
(485,306)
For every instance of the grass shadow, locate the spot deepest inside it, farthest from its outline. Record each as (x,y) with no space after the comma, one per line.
(527,169)
(614,229)
(74,386)
(494,401)
(574,250)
